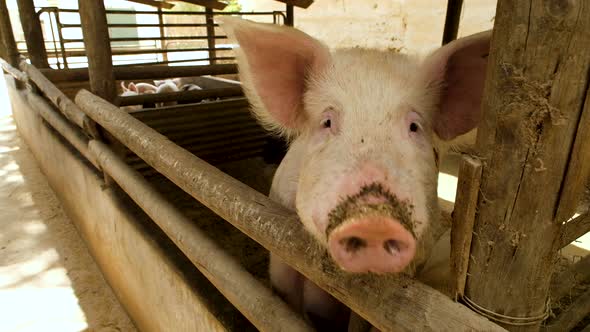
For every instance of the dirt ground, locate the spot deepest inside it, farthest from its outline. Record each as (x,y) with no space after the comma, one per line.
(48,280)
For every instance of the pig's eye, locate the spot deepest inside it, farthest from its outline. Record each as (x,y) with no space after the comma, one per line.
(414,127)
(327,123)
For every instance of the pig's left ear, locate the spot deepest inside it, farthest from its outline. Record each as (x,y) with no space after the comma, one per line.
(275,63)
(456,72)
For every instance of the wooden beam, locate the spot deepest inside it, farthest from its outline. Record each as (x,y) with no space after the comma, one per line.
(154,3)
(213,4)
(297,3)
(33,33)
(463,219)
(98,48)
(536,87)
(574,228)
(8,49)
(388,302)
(142,72)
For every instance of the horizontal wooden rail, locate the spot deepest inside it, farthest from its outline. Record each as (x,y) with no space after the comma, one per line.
(388,302)
(65,128)
(70,110)
(257,302)
(142,72)
(193,95)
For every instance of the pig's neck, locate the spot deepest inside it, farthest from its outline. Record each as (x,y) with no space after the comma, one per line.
(284,183)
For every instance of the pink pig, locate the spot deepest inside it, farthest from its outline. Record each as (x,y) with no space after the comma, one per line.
(366,129)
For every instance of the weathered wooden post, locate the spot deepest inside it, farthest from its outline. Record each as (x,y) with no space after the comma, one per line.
(98,48)
(8,50)
(33,33)
(536,114)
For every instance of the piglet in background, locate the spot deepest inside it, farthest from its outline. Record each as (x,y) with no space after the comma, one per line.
(366,131)
(166,86)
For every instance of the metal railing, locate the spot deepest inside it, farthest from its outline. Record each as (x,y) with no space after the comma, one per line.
(65,45)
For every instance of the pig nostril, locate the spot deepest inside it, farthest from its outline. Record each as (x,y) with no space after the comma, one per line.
(392,246)
(353,244)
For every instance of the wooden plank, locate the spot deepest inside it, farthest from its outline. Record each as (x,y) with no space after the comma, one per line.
(98,48)
(155,3)
(213,4)
(536,88)
(297,3)
(33,33)
(572,315)
(574,229)
(142,72)
(388,302)
(8,49)
(470,170)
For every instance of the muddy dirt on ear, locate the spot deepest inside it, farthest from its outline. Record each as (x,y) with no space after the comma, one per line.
(355,206)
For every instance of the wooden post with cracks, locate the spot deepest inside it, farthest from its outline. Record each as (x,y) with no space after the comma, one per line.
(535,95)
(8,49)
(95,31)
(33,33)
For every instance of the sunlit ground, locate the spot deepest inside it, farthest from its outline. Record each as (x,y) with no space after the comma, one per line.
(48,281)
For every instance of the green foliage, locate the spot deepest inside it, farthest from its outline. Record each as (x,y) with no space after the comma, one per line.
(233,6)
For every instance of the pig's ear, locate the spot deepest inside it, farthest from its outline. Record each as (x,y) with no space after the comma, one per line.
(275,63)
(132,87)
(456,72)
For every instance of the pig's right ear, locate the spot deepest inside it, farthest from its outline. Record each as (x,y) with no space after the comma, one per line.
(455,75)
(275,63)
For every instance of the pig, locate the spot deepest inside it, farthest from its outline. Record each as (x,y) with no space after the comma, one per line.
(166,86)
(134,89)
(366,129)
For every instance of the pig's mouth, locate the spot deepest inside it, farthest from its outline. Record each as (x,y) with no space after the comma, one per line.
(371,200)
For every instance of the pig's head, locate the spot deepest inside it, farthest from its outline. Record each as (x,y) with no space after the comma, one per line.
(370,124)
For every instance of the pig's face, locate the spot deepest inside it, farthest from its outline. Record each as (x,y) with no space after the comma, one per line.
(370,165)
(367,123)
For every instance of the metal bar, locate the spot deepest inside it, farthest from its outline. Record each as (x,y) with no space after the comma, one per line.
(60,35)
(163,45)
(257,302)
(142,72)
(214,4)
(210,35)
(175,61)
(78,40)
(193,95)
(290,17)
(147,51)
(144,25)
(452,20)
(153,3)
(112,11)
(403,304)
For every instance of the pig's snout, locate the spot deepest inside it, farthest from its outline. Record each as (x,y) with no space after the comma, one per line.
(372,244)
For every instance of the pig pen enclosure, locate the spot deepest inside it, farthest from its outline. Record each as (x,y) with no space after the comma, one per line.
(171,199)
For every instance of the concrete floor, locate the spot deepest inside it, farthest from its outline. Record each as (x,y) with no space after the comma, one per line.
(48,280)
